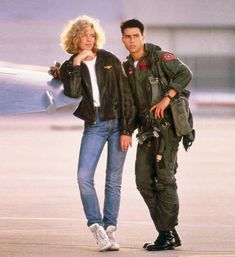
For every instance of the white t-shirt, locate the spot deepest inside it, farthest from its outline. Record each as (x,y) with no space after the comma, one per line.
(95,89)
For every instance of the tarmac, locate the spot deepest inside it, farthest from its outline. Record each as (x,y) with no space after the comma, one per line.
(40,208)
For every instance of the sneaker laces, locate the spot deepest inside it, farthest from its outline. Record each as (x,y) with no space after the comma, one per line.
(100,234)
(101,237)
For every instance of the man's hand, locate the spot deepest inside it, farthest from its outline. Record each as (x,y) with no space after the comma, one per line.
(125,142)
(160,107)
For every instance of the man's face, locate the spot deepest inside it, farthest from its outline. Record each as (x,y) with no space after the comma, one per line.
(133,40)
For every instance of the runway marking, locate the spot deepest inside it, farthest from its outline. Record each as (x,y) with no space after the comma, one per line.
(55,218)
(138,222)
(69,219)
(36,218)
(205,255)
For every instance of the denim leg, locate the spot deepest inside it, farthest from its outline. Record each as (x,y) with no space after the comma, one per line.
(94,138)
(115,162)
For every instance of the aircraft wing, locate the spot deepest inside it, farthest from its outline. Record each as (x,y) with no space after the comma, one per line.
(28,91)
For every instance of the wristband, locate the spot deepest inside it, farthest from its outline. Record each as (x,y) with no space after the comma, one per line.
(167,95)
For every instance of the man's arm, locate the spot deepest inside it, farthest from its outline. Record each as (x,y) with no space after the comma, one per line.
(179,77)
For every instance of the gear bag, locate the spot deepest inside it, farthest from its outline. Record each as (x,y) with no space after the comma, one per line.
(183,118)
(180,112)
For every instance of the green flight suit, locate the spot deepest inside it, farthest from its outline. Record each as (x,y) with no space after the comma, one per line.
(155,73)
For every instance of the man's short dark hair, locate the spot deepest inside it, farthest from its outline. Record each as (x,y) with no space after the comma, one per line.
(133,23)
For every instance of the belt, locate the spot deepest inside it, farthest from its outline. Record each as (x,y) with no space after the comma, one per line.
(146,135)
(97,108)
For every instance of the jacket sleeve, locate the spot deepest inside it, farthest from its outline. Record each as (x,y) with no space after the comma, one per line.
(128,110)
(178,73)
(71,78)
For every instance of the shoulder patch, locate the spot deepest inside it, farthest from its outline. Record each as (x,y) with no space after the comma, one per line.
(168,56)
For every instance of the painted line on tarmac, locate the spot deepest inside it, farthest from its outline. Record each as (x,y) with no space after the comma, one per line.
(137,222)
(67,219)
(120,221)
(36,218)
(210,255)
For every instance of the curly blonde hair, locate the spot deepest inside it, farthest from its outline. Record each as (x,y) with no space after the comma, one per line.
(70,37)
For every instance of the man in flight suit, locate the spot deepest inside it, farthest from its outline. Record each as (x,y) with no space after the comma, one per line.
(156,78)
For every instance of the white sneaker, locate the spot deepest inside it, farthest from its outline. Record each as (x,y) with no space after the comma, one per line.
(110,232)
(101,237)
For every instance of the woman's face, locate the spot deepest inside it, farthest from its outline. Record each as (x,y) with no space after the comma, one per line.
(87,39)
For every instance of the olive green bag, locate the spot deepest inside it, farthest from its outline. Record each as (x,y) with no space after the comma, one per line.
(180,112)
(183,118)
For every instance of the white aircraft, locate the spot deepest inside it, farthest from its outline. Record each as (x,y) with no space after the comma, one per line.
(26,90)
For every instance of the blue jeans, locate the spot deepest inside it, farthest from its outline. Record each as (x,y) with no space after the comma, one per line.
(94,138)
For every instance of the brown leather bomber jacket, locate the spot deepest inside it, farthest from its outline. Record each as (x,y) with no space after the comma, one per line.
(116,100)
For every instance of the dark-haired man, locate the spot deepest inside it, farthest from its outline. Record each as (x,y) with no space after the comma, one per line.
(156,78)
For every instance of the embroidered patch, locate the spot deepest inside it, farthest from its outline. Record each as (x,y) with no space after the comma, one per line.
(108,67)
(143,65)
(168,56)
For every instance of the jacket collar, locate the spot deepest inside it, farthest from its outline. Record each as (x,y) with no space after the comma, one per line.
(148,49)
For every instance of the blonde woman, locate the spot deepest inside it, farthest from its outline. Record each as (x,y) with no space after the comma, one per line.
(107,110)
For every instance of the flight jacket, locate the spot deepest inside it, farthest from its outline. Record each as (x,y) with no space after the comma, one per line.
(163,67)
(116,100)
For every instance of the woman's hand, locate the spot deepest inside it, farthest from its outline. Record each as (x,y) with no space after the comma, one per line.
(86,55)
(125,142)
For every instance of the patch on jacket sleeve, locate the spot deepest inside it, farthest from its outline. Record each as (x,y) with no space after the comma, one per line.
(168,56)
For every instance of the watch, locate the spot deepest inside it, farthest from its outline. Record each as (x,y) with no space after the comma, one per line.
(167,95)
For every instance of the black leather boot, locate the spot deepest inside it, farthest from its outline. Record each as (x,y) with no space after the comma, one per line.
(164,241)
(176,236)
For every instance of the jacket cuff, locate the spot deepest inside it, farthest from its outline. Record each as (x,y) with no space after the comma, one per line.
(127,132)
(74,70)
(177,87)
